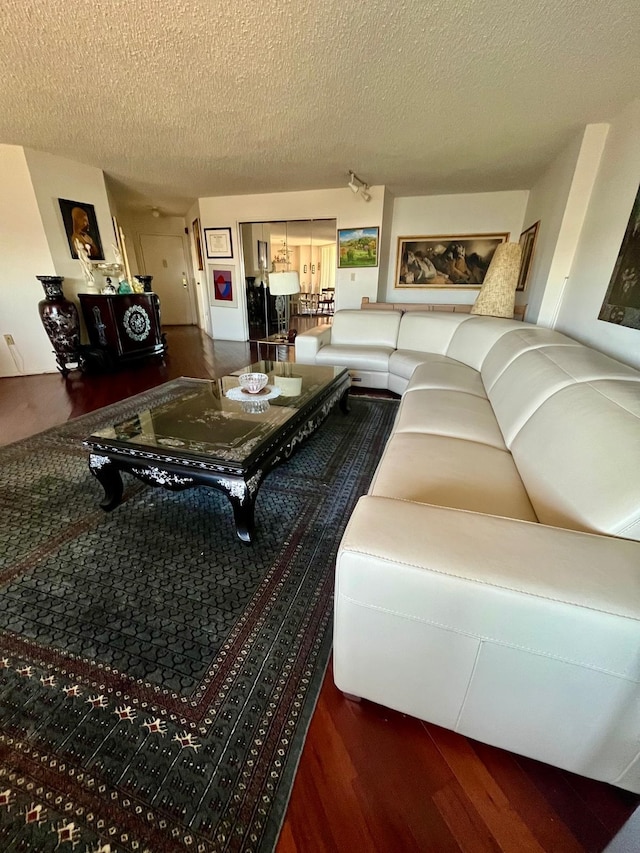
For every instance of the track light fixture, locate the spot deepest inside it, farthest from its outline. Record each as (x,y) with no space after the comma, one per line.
(357,185)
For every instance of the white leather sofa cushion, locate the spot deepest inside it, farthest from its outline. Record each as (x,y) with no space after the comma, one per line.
(579,458)
(472,341)
(515,343)
(358,357)
(372,328)
(538,373)
(436,469)
(440,371)
(504,558)
(494,633)
(452,413)
(403,362)
(424,331)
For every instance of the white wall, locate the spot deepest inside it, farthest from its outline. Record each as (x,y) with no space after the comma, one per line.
(615,188)
(348,209)
(559,201)
(137,224)
(54,178)
(24,253)
(470,213)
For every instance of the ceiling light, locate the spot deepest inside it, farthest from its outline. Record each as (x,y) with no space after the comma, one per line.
(155,212)
(357,185)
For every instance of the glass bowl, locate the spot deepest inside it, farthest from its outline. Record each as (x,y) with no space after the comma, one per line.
(253,382)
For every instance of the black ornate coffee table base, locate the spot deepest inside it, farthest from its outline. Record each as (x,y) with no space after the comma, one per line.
(240,483)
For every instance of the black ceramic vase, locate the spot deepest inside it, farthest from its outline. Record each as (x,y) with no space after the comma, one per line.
(61,323)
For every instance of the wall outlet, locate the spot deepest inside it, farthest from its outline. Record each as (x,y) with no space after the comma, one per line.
(353,276)
(9,340)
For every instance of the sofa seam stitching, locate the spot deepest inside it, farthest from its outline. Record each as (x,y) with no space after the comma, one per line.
(539,595)
(480,638)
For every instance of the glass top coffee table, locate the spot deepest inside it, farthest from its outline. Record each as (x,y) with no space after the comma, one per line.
(200,437)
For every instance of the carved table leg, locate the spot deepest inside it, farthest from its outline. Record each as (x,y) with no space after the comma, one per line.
(242,497)
(108,475)
(344,403)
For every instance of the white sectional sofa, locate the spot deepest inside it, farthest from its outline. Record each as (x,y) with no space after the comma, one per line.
(489,582)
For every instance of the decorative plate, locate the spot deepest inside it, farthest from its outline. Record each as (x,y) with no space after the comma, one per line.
(240,395)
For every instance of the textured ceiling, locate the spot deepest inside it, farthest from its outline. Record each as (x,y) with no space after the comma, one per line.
(188,98)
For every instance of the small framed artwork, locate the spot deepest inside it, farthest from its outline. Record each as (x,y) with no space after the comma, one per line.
(358,247)
(197,244)
(262,254)
(313,269)
(305,269)
(528,243)
(223,291)
(218,242)
(449,260)
(80,223)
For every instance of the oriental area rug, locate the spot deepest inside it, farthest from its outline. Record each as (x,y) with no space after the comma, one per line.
(157,675)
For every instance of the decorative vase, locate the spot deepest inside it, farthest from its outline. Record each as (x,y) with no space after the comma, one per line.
(61,323)
(145,281)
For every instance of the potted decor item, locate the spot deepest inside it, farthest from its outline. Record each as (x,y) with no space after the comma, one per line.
(60,319)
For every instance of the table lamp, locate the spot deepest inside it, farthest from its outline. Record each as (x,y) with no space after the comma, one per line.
(281,285)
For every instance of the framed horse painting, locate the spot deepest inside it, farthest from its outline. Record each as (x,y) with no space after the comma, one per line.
(457,261)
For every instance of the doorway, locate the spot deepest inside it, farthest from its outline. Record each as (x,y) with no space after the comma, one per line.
(164,258)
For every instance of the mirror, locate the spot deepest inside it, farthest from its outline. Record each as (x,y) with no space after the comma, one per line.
(305,245)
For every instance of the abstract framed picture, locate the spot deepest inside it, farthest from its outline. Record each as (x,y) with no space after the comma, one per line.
(621,304)
(528,242)
(197,244)
(357,247)
(80,223)
(218,242)
(223,291)
(446,260)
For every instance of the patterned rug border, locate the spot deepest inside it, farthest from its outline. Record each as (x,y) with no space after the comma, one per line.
(113,694)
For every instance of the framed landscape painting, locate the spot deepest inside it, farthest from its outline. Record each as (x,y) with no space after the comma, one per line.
(451,260)
(357,247)
(528,243)
(621,303)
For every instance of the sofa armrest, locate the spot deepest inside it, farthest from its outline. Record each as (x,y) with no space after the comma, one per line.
(571,567)
(310,342)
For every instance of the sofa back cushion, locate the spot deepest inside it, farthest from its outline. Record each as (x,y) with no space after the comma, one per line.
(538,372)
(370,328)
(579,456)
(428,331)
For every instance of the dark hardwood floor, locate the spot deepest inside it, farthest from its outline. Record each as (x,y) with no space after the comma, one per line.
(370,779)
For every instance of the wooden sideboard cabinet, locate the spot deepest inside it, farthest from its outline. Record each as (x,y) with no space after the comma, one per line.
(125,326)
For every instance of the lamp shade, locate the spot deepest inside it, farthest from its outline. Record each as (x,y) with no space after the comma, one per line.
(497,295)
(284,283)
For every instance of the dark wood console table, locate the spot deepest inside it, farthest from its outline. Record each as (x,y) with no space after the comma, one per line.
(124,326)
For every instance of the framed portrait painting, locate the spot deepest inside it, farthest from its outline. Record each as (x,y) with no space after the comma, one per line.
(357,247)
(449,260)
(80,223)
(621,304)
(218,242)
(528,243)
(223,291)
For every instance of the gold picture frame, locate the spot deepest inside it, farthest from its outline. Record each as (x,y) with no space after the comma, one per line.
(458,261)
(528,242)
